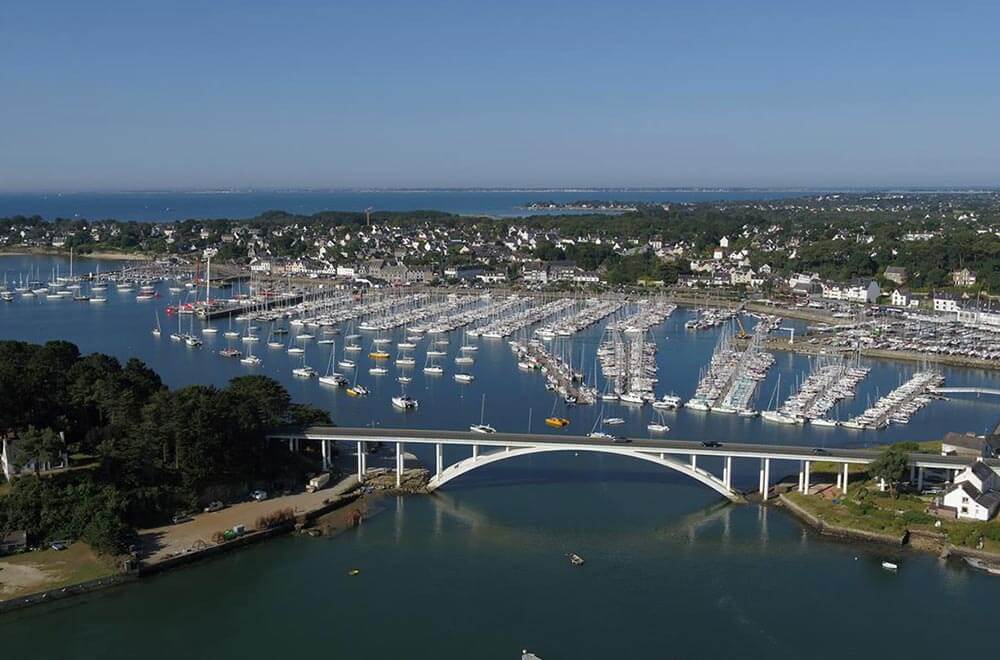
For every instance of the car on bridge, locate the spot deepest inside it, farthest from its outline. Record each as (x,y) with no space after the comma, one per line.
(711,443)
(819,451)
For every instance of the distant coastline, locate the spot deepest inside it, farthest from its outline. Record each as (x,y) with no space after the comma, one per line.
(104,255)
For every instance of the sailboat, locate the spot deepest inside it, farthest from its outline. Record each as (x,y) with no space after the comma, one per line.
(658,427)
(552,420)
(250,360)
(404,359)
(332,377)
(355,389)
(482,427)
(230,333)
(156,330)
(404,401)
(190,339)
(430,367)
(305,371)
(351,344)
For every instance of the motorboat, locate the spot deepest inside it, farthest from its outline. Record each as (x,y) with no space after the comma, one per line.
(482,428)
(463,378)
(305,372)
(654,427)
(250,360)
(404,402)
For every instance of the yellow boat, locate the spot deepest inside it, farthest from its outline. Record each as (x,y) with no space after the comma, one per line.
(379,355)
(558,422)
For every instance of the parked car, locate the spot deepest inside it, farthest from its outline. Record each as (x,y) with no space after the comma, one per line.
(59,545)
(215,506)
(821,452)
(181,518)
(259,495)
(711,443)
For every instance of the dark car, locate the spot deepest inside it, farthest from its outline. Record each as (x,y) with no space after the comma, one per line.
(620,439)
(821,452)
(711,443)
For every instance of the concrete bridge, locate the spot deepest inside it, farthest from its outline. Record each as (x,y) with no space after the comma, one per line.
(677,455)
(965,390)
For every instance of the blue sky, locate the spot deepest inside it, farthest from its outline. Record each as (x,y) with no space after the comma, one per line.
(139,95)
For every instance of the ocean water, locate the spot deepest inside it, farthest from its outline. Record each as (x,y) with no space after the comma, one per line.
(154,206)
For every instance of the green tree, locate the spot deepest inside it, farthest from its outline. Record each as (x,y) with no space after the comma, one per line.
(890,466)
(41,445)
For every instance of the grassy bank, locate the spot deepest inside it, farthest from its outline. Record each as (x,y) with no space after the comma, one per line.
(31,572)
(881,513)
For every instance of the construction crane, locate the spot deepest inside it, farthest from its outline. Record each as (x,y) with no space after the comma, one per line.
(742,334)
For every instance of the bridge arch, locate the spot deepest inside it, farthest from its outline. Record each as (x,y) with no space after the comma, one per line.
(466,465)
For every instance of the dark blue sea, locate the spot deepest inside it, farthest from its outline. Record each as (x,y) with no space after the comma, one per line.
(156,206)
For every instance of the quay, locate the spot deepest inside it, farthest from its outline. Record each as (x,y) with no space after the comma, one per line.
(679,455)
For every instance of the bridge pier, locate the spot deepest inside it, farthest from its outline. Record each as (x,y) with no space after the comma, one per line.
(475,452)
(920,479)
(399,464)
(843,488)
(801,466)
(805,479)
(694,461)
(361,461)
(438,459)
(765,485)
(727,472)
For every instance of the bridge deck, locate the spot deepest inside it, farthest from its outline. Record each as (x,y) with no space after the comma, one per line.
(582,443)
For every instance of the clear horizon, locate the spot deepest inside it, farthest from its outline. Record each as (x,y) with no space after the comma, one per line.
(115,97)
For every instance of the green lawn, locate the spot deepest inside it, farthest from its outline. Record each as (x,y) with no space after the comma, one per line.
(895,516)
(31,572)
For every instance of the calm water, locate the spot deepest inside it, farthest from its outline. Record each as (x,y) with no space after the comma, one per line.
(180,206)
(479,570)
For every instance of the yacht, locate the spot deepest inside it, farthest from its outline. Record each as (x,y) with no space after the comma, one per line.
(231,353)
(404,402)
(296,350)
(378,371)
(305,371)
(655,427)
(404,379)
(192,341)
(357,390)
(463,378)
(631,397)
(614,420)
(251,360)
(462,359)
(346,364)
(668,402)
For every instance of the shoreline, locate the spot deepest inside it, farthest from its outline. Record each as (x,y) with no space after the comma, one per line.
(346,508)
(102,255)
(919,540)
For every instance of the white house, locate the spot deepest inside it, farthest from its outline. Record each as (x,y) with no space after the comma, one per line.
(945,302)
(902,298)
(975,494)
(862,290)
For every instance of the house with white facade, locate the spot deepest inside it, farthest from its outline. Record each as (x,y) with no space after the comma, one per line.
(862,290)
(975,494)
(945,302)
